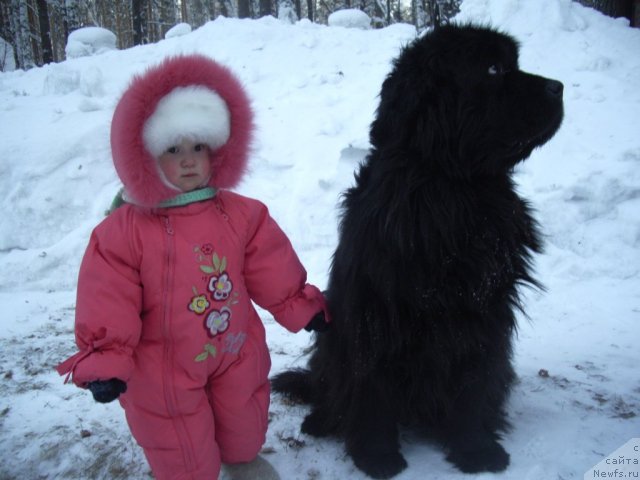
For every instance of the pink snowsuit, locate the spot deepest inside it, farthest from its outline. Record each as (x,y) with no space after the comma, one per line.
(164,304)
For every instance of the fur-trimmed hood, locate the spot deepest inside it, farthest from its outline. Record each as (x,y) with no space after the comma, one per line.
(223,119)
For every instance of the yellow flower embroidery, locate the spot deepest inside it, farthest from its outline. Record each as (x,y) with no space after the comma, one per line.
(199,304)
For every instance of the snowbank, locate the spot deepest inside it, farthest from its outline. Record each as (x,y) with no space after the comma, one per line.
(350,18)
(178,30)
(89,41)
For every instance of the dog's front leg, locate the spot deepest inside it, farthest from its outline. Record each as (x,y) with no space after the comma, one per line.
(372,433)
(471,431)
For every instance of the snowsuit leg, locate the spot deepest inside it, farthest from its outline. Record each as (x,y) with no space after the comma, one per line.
(178,444)
(240,399)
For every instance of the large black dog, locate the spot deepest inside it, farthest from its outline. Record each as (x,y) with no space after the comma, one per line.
(434,243)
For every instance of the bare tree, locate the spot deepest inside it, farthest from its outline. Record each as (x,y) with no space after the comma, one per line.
(162,15)
(198,12)
(227,8)
(45,31)
(378,10)
(139,20)
(7,34)
(244,9)
(19,13)
(419,14)
(265,7)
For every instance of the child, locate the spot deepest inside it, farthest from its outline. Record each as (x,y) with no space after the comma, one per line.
(164,319)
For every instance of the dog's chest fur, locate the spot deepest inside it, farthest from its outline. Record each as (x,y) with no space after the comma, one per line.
(460,244)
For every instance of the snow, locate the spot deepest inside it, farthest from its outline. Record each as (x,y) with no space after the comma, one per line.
(89,41)
(349,18)
(178,30)
(314,89)
(286,12)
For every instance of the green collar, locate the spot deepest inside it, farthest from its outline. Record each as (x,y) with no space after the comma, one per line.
(189,197)
(177,201)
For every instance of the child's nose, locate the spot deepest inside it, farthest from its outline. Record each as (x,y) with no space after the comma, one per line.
(188,159)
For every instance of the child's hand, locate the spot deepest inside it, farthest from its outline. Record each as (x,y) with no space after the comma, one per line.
(317,323)
(105,391)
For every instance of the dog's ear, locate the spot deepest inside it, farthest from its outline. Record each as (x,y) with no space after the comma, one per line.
(395,111)
(410,99)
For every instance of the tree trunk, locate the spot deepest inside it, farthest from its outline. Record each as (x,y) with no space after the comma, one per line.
(45,32)
(297,5)
(434,13)
(71,17)
(310,10)
(244,10)
(183,11)
(20,26)
(266,8)
(137,18)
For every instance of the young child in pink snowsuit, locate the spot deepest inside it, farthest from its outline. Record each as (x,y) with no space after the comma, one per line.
(164,318)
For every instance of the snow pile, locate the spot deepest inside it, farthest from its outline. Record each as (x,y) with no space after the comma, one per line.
(314,90)
(350,18)
(178,30)
(89,41)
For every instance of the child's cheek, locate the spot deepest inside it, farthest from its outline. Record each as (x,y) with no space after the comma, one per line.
(170,170)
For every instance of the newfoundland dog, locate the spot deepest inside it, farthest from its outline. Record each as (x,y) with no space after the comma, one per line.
(434,244)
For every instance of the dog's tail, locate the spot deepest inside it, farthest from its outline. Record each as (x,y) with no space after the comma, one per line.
(294,384)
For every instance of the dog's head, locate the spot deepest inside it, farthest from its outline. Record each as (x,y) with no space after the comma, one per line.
(457,99)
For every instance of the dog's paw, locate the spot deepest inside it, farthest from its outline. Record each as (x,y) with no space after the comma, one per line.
(315,424)
(489,458)
(379,465)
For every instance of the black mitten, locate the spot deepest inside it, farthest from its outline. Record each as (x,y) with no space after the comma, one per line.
(317,323)
(105,391)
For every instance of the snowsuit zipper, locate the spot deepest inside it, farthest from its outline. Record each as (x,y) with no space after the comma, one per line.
(168,354)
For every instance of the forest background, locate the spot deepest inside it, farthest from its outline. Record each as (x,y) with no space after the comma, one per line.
(35,32)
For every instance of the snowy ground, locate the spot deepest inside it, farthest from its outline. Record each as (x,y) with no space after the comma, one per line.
(314,90)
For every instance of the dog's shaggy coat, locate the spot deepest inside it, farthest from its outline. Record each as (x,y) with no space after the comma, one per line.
(434,242)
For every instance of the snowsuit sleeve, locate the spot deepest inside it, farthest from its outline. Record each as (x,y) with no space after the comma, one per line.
(275,278)
(108,306)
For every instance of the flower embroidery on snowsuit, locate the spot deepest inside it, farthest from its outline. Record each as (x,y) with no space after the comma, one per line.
(233,342)
(220,287)
(217,321)
(199,304)
(207,249)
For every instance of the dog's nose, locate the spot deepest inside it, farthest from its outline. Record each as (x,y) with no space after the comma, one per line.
(555,88)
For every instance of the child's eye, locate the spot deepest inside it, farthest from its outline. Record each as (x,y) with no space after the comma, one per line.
(172,150)
(199,147)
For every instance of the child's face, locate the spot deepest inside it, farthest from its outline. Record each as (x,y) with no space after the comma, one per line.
(186,165)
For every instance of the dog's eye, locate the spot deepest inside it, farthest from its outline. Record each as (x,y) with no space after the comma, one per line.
(495,69)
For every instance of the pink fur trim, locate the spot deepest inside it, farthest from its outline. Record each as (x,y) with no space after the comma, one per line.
(136,167)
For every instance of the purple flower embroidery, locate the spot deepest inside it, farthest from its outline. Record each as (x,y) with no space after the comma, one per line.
(207,249)
(233,342)
(220,287)
(217,321)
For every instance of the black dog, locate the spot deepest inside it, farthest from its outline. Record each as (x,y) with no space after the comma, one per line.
(434,242)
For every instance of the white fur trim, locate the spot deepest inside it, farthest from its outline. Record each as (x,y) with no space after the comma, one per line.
(194,112)
(163,177)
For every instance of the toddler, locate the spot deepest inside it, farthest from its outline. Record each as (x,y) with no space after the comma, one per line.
(164,319)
